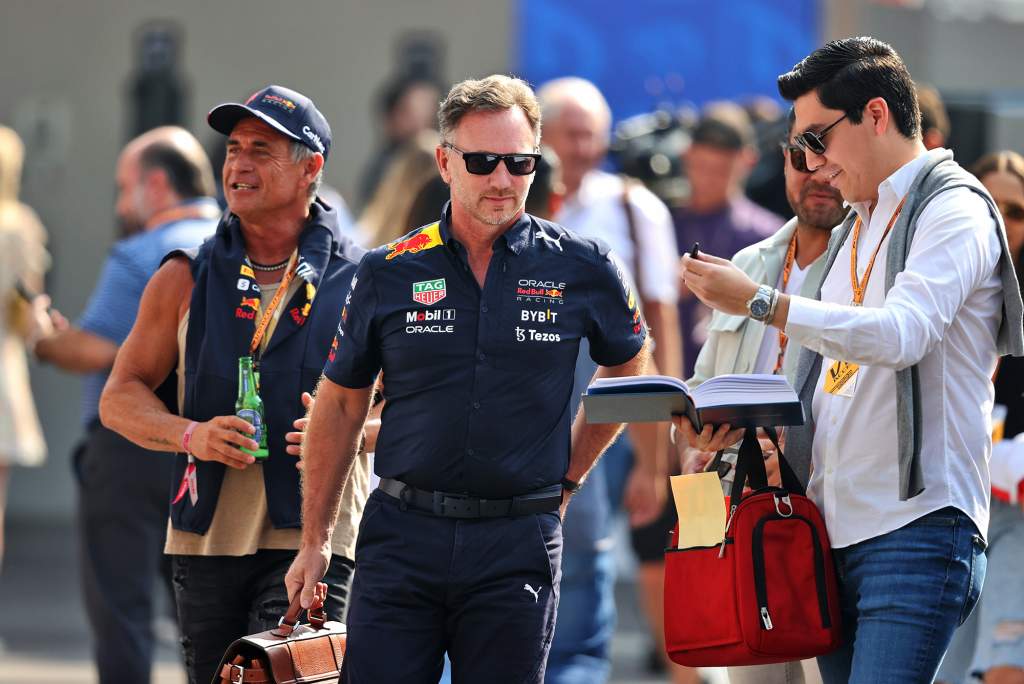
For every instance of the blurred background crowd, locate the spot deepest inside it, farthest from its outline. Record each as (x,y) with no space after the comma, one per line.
(691,113)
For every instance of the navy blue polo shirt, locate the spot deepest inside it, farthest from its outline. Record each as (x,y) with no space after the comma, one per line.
(478,382)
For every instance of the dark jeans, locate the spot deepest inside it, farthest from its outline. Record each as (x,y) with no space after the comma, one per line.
(903,593)
(223,598)
(123,495)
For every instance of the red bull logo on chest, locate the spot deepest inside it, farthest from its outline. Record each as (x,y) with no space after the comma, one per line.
(247,308)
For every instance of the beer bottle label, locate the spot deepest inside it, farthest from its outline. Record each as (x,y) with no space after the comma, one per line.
(253,417)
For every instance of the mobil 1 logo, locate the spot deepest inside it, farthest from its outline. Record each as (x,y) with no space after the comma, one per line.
(429,321)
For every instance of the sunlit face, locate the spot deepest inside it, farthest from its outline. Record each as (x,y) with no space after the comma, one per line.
(579,136)
(497,198)
(259,175)
(815,202)
(130,205)
(1008,192)
(847,163)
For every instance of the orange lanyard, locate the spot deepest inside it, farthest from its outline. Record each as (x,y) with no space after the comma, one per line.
(787,269)
(268,313)
(861,286)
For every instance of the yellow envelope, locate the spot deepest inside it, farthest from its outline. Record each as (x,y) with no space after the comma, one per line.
(701,508)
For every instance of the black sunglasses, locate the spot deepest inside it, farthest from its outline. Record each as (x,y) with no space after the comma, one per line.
(484,163)
(809,140)
(797,157)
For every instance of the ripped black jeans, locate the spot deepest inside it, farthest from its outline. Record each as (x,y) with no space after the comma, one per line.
(222,598)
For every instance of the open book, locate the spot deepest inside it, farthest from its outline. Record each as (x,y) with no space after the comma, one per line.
(740,400)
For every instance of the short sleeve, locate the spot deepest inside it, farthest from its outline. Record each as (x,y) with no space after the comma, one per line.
(354,358)
(616,329)
(114,302)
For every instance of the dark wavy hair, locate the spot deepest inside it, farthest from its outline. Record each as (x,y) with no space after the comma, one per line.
(847,73)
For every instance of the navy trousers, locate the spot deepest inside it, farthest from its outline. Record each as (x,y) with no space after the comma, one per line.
(485,590)
(123,492)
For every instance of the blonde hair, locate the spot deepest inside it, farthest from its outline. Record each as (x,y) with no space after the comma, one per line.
(1004,161)
(21,234)
(491,94)
(12,155)
(386,217)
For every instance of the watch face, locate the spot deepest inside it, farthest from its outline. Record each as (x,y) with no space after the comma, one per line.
(759,308)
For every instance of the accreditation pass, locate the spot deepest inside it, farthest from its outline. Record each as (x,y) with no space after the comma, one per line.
(841,377)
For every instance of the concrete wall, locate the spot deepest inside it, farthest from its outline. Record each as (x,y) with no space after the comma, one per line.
(66,65)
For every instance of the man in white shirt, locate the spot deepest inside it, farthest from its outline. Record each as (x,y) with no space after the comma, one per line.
(918,300)
(638,228)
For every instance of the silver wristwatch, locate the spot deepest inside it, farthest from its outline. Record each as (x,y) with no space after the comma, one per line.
(761,306)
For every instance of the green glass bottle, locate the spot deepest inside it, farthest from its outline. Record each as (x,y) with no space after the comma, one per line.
(249,407)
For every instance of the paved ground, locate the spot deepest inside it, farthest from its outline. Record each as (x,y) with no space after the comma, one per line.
(44,638)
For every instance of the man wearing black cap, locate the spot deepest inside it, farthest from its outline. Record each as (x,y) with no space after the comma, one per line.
(270,286)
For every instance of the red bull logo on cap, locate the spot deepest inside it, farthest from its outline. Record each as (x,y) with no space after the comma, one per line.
(424,239)
(278,101)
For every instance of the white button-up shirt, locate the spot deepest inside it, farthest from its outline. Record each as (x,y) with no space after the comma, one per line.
(942,313)
(596,211)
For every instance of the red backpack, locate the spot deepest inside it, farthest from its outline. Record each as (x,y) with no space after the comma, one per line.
(768,593)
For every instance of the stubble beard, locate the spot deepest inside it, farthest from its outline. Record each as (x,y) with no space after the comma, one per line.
(822,217)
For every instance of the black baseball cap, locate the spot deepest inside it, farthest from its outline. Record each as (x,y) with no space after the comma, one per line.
(284,110)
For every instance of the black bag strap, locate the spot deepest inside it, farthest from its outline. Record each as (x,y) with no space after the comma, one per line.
(790,482)
(750,467)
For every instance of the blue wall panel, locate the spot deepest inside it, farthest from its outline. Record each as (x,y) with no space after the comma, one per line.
(642,53)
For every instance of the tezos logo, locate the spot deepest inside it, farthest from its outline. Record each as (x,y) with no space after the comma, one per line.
(524,334)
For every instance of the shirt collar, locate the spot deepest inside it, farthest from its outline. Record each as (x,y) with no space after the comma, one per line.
(516,237)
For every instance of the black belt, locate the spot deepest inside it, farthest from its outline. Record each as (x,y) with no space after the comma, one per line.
(449,505)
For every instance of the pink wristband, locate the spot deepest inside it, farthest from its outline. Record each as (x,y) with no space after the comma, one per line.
(186,439)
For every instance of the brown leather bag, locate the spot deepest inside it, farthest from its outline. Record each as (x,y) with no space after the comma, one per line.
(291,653)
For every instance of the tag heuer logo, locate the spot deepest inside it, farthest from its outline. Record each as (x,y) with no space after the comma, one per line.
(429,291)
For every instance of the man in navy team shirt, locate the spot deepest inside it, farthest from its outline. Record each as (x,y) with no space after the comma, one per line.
(475,321)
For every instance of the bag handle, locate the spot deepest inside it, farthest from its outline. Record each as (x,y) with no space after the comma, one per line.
(315,614)
(750,467)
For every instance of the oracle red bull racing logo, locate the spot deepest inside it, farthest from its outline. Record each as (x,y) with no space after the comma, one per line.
(528,290)
(424,239)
